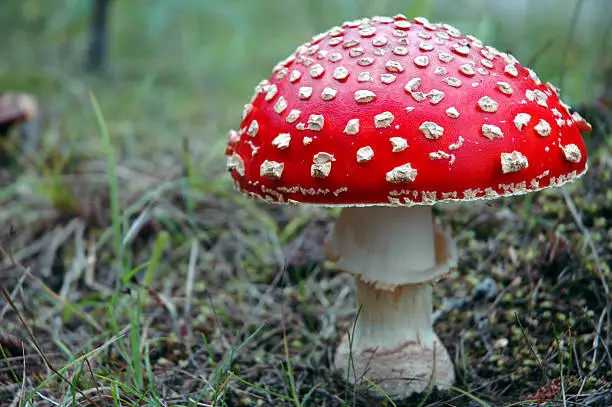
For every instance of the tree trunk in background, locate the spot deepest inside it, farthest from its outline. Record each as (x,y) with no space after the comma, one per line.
(98,36)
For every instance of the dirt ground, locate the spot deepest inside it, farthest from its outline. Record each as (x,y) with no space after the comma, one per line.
(237,314)
(131,274)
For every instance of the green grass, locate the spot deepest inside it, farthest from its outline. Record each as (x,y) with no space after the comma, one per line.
(174,291)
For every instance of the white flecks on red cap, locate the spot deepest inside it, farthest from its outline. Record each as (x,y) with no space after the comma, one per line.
(364,96)
(341,73)
(421,61)
(365,61)
(316,122)
(272,91)
(456,145)
(431,130)
(281,105)
(452,81)
(441,155)
(542,128)
(380,41)
(445,57)
(316,71)
(383,120)
(334,56)
(402,24)
(305,92)
(440,70)
(235,164)
(365,76)
(367,31)
(398,144)
(572,153)
(394,66)
(435,96)
(400,50)
(521,120)
(328,93)
(282,141)
(271,169)
(486,63)
(513,162)
(246,110)
(505,87)
(295,76)
(461,49)
(233,136)
(452,112)
(538,96)
(491,131)
(401,174)
(365,154)
(511,70)
(424,46)
(413,84)
(322,163)
(253,128)
(352,127)
(418,96)
(467,70)
(387,78)
(293,115)
(487,104)
(355,52)
(351,118)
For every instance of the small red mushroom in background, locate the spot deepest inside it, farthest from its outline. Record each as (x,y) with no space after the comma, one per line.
(385,117)
(16,108)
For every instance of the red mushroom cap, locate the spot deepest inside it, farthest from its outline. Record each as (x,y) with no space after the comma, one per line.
(386,111)
(15,107)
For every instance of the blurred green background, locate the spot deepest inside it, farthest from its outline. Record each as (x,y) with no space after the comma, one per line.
(184,68)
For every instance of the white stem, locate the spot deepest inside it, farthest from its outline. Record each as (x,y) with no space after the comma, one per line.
(386,246)
(387,320)
(394,253)
(393,343)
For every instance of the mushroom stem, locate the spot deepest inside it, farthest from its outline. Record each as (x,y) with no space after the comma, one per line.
(389,319)
(394,253)
(389,247)
(393,342)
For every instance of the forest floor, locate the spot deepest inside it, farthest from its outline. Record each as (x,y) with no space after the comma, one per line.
(131,279)
(218,298)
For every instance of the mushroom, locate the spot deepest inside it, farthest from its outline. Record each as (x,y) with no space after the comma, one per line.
(385,117)
(15,108)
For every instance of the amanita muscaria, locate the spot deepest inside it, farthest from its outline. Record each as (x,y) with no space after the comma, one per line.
(15,108)
(386,117)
